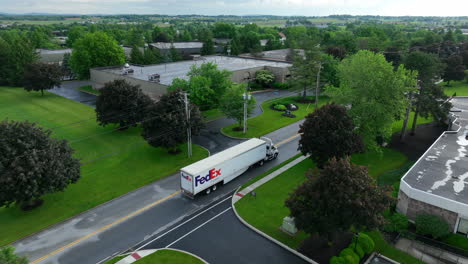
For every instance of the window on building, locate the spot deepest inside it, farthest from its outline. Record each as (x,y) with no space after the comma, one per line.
(463,226)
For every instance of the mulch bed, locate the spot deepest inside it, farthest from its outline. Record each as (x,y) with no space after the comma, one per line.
(415,146)
(317,248)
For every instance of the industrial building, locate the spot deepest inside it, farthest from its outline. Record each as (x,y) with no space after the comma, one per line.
(184,48)
(154,79)
(437,183)
(56,55)
(279,55)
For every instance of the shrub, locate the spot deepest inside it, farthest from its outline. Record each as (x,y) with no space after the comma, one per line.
(280,107)
(358,250)
(280,86)
(431,225)
(365,242)
(264,77)
(396,222)
(349,254)
(337,260)
(255,86)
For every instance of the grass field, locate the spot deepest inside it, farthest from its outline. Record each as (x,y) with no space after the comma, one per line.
(271,120)
(460,87)
(267,210)
(88,89)
(131,162)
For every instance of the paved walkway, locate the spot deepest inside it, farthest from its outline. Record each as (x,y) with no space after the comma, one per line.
(67,90)
(428,254)
(265,179)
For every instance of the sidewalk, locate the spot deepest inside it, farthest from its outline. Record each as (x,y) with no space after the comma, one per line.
(265,179)
(428,254)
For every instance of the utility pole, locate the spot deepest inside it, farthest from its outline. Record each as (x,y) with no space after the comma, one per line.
(318,84)
(189,130)
(246,100)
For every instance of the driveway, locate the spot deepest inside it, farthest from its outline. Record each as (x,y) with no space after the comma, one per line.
(67,90)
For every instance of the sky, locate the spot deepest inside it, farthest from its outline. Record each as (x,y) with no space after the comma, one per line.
(241,7)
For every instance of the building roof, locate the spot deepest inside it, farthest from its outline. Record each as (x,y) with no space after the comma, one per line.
(53,51)
(170,71)
(441,174)
(280,54)
(178,45)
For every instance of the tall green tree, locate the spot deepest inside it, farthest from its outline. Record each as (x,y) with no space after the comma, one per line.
(206,85)
(32,163)
(136,56)
(168,125)
(122,103)
(95,50)
(41,76)
(429,96)
(232,103)
(208,46)
(152,56)
(16,53)
(376,93)
(75,33)
(455,70)
(329,132)
(304,69)
(339,197)
(8,256)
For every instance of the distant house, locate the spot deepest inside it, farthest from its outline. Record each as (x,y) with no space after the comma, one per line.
(464,31)
(282,37)
(263,42)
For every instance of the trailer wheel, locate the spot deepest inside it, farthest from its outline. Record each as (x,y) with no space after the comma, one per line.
(208,191)
(214,187)
(261,163)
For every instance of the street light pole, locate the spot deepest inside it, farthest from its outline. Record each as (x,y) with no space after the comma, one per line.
(246,98)
(318,84)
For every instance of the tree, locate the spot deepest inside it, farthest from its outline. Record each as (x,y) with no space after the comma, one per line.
(430,96)
(208,46)
(32,164)
(95,50)
(329,132)
(174,55)
(152,56)
(455,71)
(206,85)
(41,76)
(75,33)
(341,196)
(66,68)
(168,126)
(264,77)
(304,68)
(8,256)
(122,103)
(16,52)
(232,103)
(236,47)
(224,30)
(136,56)
(376,93)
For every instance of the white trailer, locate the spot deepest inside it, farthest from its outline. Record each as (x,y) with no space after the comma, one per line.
(221,168)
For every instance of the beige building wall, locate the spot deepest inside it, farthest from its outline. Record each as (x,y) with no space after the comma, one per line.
(153,90)
(412,208)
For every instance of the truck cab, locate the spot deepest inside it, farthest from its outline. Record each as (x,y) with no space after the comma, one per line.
(271,150)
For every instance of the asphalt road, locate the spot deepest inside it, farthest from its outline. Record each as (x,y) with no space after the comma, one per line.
(216,235)
(120,224)
(67,90)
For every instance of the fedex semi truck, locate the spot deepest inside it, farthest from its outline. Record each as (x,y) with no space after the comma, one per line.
(206,175)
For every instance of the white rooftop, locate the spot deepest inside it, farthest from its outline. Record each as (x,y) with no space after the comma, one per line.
(169,71)
(178,45)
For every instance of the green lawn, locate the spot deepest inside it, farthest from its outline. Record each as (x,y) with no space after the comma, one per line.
(212,114)
(271,120)
(164,256)
(88,89)
(398,125)
(266,211)
(384,248)
(459,87)
(456,240)
(132,163)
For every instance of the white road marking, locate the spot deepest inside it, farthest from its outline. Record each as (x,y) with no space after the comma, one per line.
(211,219)
(172,229)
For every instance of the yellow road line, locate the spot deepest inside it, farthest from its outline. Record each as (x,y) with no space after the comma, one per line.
(287,140)
(105,227)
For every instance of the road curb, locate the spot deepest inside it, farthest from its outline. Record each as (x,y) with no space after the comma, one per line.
(234,200)
(137,255)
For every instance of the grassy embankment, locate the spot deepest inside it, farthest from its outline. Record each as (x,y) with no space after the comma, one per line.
(131,162)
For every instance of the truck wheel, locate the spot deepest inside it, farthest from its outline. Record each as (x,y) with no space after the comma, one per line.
(208,191)
(214,187)
(261,163)
(275,156)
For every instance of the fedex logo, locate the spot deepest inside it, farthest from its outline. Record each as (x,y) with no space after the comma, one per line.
(213,173)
